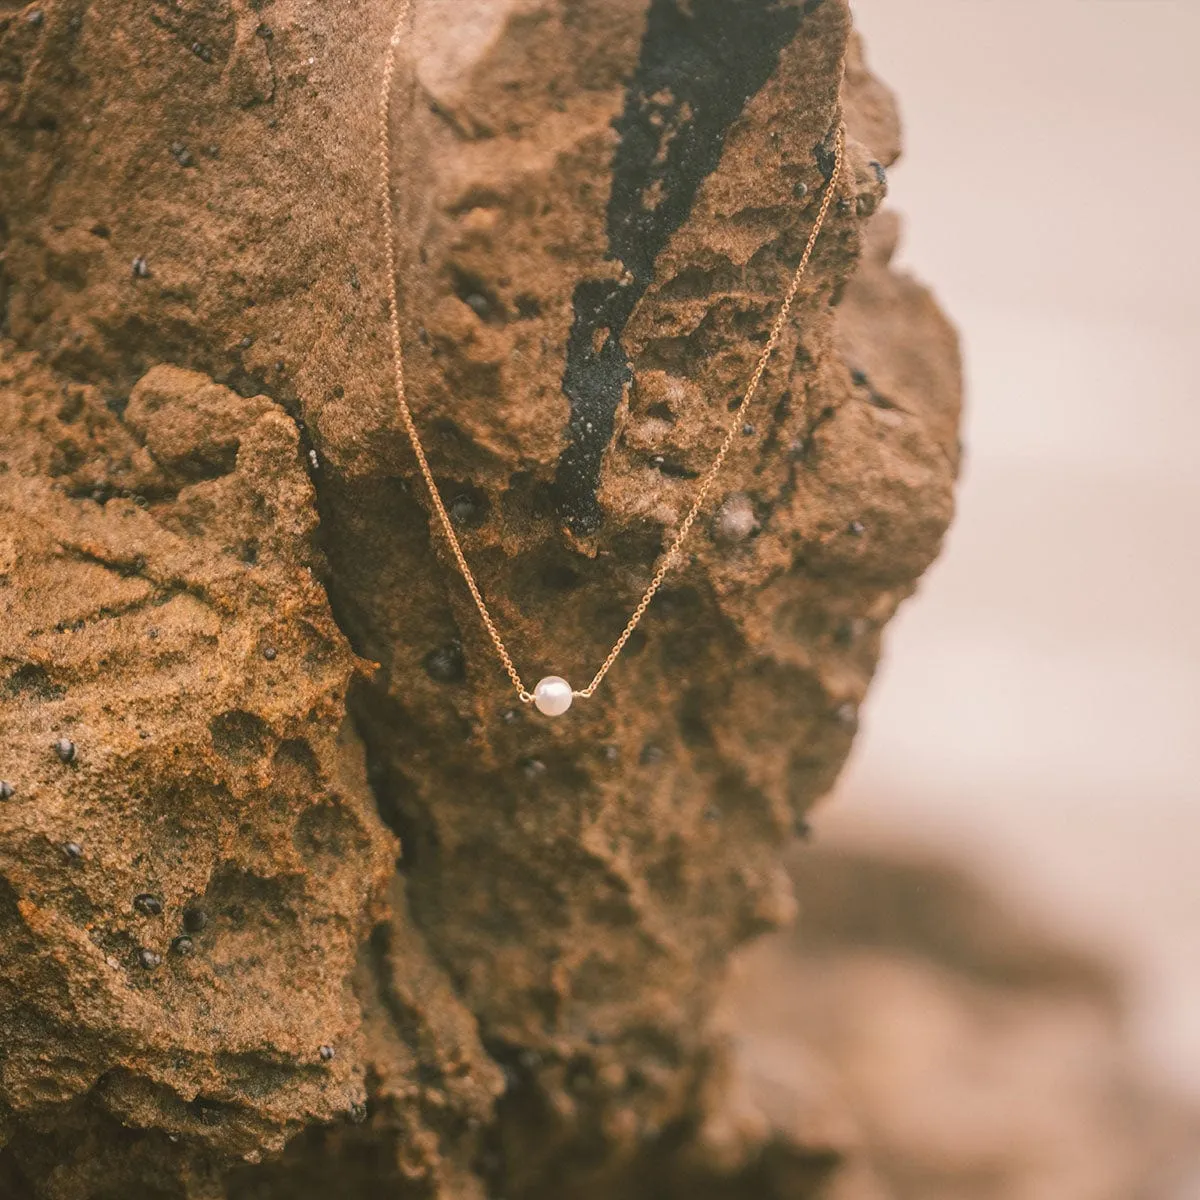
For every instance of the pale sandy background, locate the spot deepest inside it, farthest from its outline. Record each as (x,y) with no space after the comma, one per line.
(1039,707)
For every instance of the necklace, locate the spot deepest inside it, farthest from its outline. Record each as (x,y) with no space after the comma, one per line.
(553,695)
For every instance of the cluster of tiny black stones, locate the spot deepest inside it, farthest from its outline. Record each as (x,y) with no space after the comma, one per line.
(195,919)
(147,904)
(66,751)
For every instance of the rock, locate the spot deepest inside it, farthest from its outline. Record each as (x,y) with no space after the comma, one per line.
(922,1038)
(600,208)
(199,778)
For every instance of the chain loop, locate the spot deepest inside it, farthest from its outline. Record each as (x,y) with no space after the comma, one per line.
(406,418)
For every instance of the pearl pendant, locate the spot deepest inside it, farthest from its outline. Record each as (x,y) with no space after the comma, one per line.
(552,696)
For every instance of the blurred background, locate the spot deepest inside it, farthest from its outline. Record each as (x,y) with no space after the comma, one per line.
(1038,712)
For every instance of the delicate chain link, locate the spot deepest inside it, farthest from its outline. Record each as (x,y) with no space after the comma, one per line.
(685,526)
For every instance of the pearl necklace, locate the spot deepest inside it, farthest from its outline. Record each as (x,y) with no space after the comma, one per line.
(553,695)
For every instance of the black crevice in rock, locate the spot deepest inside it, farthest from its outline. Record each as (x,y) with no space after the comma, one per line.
(699,64)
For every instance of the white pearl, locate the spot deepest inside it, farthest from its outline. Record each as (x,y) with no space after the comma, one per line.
(552,696)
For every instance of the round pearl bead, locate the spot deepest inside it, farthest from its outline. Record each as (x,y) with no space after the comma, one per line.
(552,696)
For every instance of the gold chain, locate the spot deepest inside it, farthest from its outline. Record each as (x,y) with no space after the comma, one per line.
(406,417)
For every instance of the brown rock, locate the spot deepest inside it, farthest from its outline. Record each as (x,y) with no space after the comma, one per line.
(936,1044)
(599,205)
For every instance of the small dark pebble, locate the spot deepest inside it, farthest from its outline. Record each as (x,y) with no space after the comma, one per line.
(183,946)
(479,304)
(533,768)
(148,959)
(748,429)
(880,173)
(140,268)
(658,460)
(358,1112)
(35,17)
(611,753)
(194,919)
(7,791)
(509,716)
(279,364)
(846,205)
(651,754)
(73,851)
(265,32)
(800,190)
(201,51)
(445,664)
(148,905)
(847,713)
(712,814)
(65,749)
(181,154)
(152,634)
(327,1053)
(464,510)
(802,829)
(355,283)
(858,378)
(246,343)
(856,528)
(270,653)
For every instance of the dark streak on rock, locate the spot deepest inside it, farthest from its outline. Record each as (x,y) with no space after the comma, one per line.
(695,73)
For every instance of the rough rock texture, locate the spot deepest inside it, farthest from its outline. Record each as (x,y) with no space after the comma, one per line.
(219,582)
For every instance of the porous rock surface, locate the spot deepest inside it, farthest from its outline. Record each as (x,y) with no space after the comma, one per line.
(219,581)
